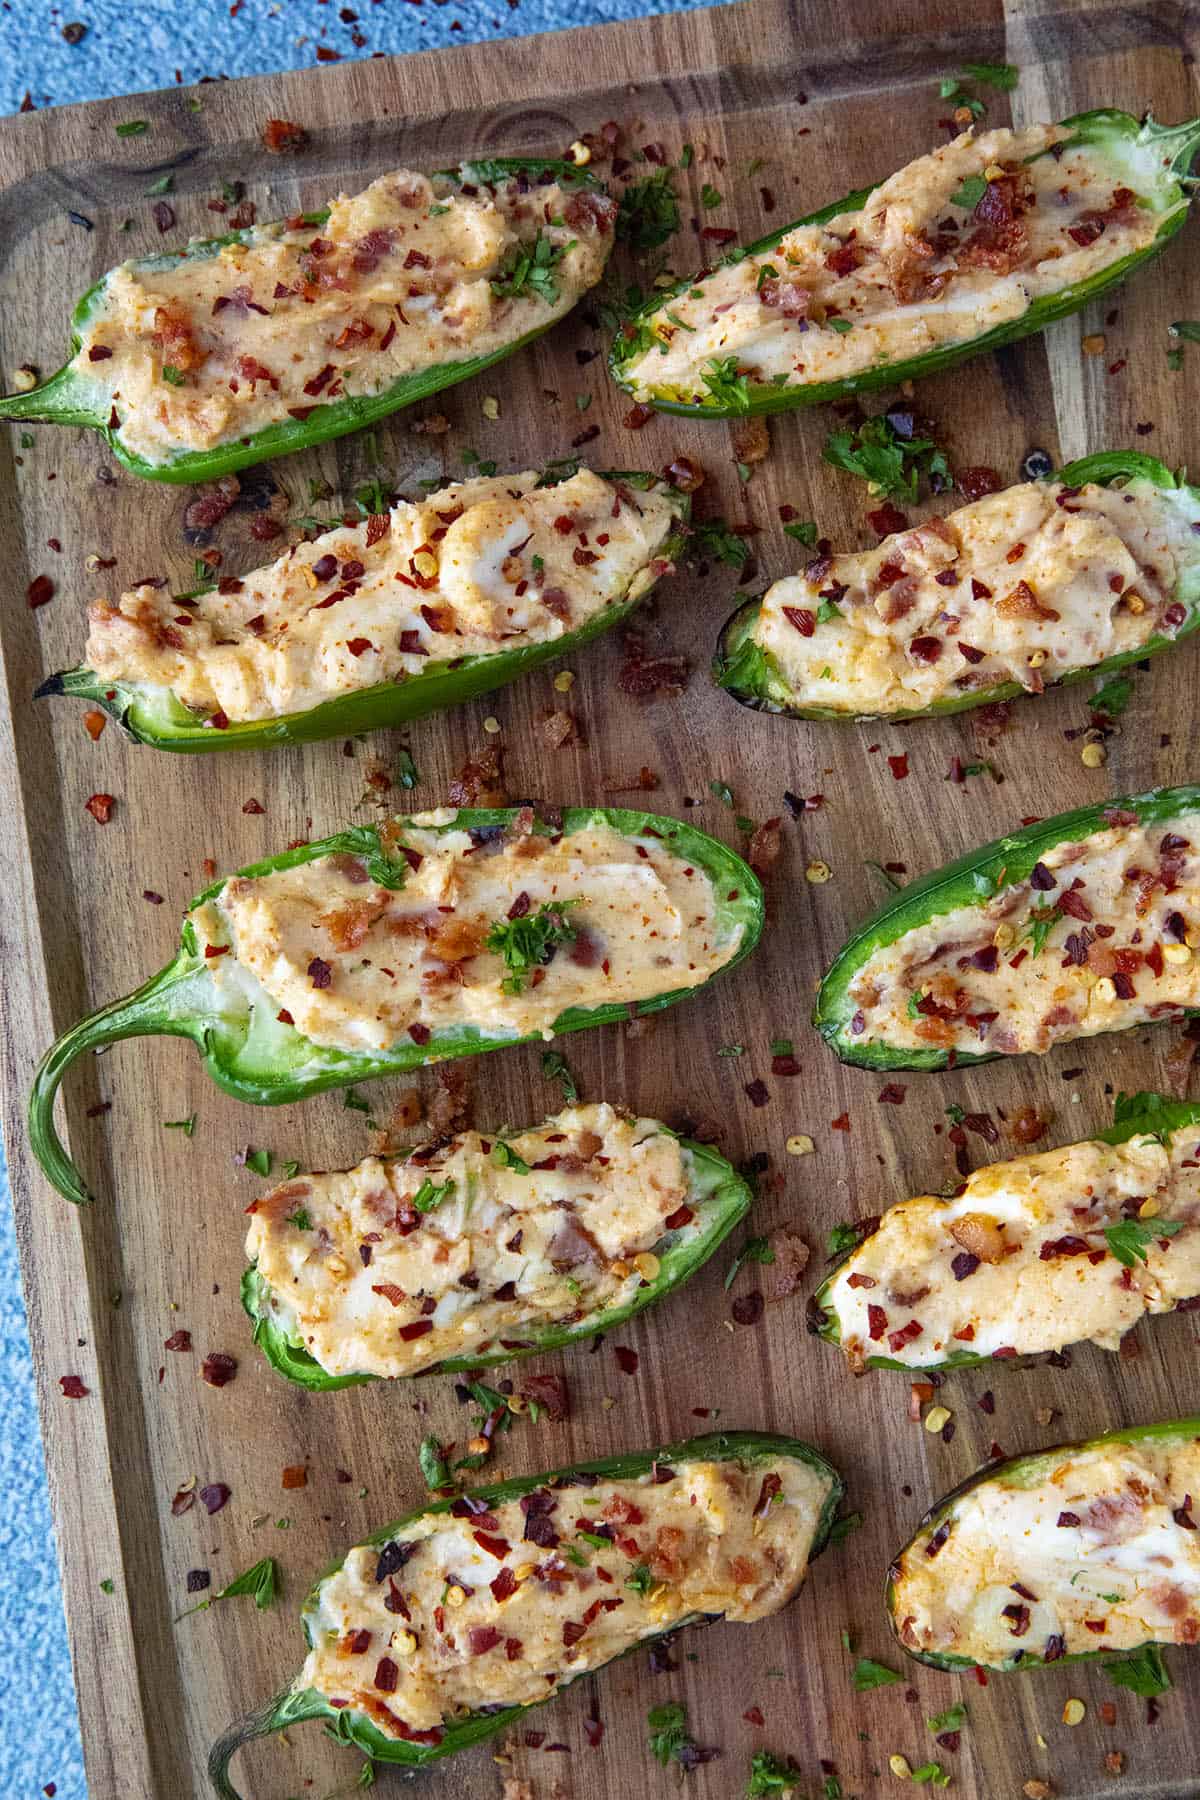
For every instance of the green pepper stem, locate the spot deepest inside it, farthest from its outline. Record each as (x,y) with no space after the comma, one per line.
(288,1708)
(153,1008)
(1182,141)
(62,400)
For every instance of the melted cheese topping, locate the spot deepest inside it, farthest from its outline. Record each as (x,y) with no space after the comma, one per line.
(1018,1261)
(522,1617)
(359,967)
(479,567)
(1086,1552)
(1022,586)
(393,1266)
(1099,938)
(401,278)
(931,260)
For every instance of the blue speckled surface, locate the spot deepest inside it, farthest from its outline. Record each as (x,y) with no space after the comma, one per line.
(131,45)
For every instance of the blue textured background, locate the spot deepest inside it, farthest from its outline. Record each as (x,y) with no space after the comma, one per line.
(128,46)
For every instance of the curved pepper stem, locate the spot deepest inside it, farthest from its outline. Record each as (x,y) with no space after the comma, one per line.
(1183,141)
(153,1009)
(62,400)
(288,1708)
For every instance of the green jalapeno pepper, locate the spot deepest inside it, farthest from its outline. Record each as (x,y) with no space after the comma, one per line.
(752,674)
(1010,877)
(79,394)
(1148,161)
(716,1199)
(154,714)
(1065,1526)
(257,1055)
(1063,1240)
(751,1450)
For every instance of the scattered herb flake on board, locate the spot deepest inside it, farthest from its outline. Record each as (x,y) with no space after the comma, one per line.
(1003,76)
(1130,1240)
(556,1068)
(1113,697)
(262,1581)
(722,791)
(731,1050)
(953,1719)
(352,1101)
(108,1586)
(258,1161)
(842,1528)
(842,1238)
(770,1774)
(1143,1671)
(187,1126)
(1189,329)
(714,539)
(163,185)
(671,1741)
(648,213)
(133,128)
(890,462)
(710,197)
(804,531)
(756,1250)
(433,1464)
(867,1675)
(406,770)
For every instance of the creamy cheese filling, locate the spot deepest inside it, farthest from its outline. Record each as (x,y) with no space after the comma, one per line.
(502,1608)
(955,244)
(1095,1549)
(496,564)
(359,967)
(465,1247)
(1019,1261)
(1100,937)
(1022,586)
(408,275)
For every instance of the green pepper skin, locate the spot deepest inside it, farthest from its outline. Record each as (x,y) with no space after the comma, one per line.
(1022,1470)
(1103,127)
(257,1059)
(73,397)
(354,1728)
(152,715)
(717,1195)
(1135,1115)
(753,677)
(971,880)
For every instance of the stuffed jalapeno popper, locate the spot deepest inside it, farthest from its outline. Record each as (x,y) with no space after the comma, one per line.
(985,240)
(1046,582)
(442,935)
(1079,924)
(1031,1254)
(374,624)
(196,362)
(477,1249)
(1087,1550)
(448,1626)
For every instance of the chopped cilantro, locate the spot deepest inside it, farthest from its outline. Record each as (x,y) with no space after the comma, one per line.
(556,1068)
(744,472)
(756,1250)
(838,1531)
(931,1774)
(259,1161)
(1175,359)
(731,1050)
(175,377)
(27,440)
(505,1157)
(725,385)
(1114,696)
(595,1540)
(686,156)
(710,197)
(133,128)
(187,1126)
(300,1219)
(827,610)
(432,1463)
(953,1719)
(891,464)
(262,1580)
(1143,1671)
(722,791)
(436,211)
(530,942)
(290,1168)
(769,1774)
(766,272)
(430,1195)
(842,1238)
(352,1101)
(1188,329)
(649,213)
(714,538)
(804,531)
(370,498)
(406,769)
(955,1113)
(782,1047)
(1129,1240)
(914,1004)
(582,402)
(868,1675)
(108,1586)
(641,1580)
(163,185)
(838,324)
(1038,926)
(670,1739)
(970,193)
(529,269)
(1003,76)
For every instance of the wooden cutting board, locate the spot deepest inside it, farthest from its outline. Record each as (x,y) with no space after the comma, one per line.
(787,107)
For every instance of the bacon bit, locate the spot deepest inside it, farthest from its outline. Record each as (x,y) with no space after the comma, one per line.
(642,676)
(898,1339)
(899,766)
(282,138)
(887,520)
(219,1368)
(101,807)
(1022,603)
(178,1340)
(925,649)
(1029,1126)
(804,621)
(418,1328)
(319,972)
(975,482)
(747,1309)
(73,1387)
(551,1393)
(495,1546)
(718,234)
(39,591)
(183,1499)
(558,730)
(627,1360)
(683,1215)
(480,781)
(751,441)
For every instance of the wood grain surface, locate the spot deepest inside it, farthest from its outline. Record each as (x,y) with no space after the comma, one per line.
(829,97)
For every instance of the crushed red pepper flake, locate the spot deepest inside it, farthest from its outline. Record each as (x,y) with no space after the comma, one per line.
(73,1387)
(101,807)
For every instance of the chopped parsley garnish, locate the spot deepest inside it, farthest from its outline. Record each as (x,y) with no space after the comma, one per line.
(187,1126)
(724,384)
(838,324)
(710,197)
(430,1194)
(300,1219)
(686,156)
(840,1530)
(842,1238)
(259,1161)
(556,1068)
(174,376)
(714,538)
(914,1004)
(352,1101)
(769,1774)
(951,89)
(782,1047)
(290,1168)
(370,498)
(1143,1671)
(505,1157)
(890,462)
(108,1585)
(133,128)
(164,185)
(530,942)
(755,1250)
(953,1719)
(804,531)
(262,1580)
(473,460)
(670,1739)
(595,1540)
(827,610)
(722,791)
(529,269)
(931,1774)
(1039,925)
(432,1463)
(970,193)
(649,213)
(641,1580)
(868,1675)
(406,770)
(1113,697)
(1130,1240)
(732,1050)
(1003,76)
(436,211)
